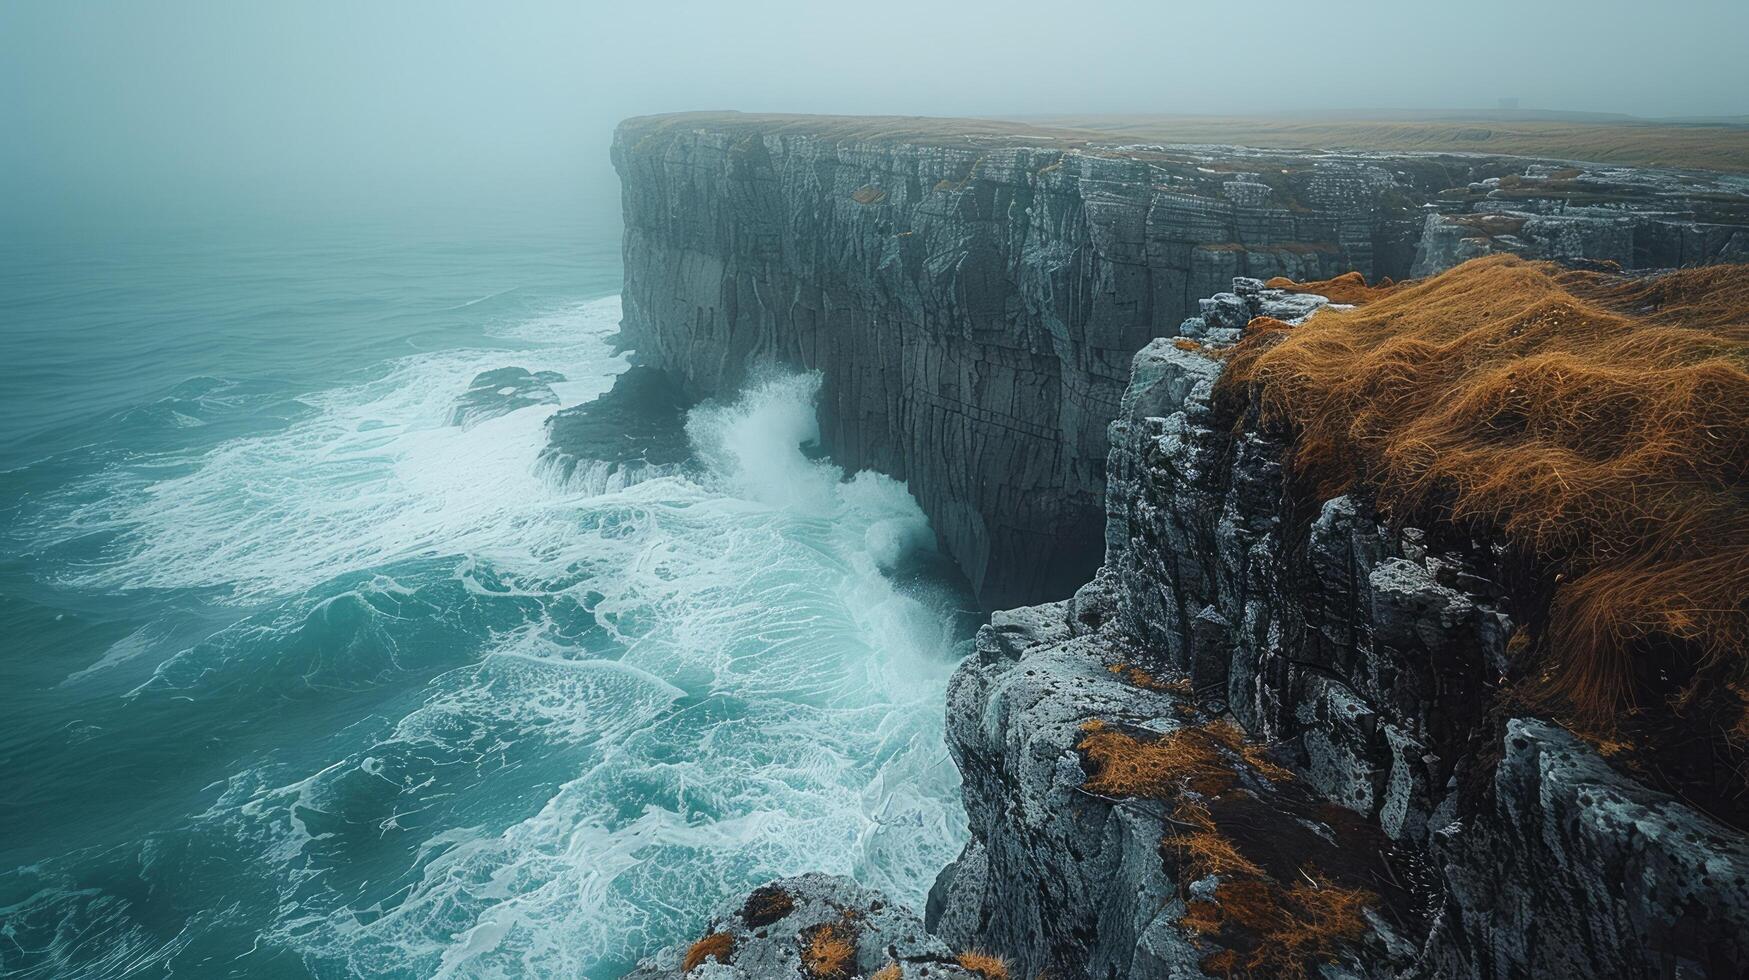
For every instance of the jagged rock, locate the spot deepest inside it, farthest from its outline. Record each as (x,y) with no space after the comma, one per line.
(1576,870)
(770,930)
(1634,218)
(1369,656)
(634,432)
(1059,880)
(974,305)
(502,391)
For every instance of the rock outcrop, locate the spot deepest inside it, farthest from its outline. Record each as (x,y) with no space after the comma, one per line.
(973,292)
(1637,219)
(502,391)
(634,432)
(1362,661)
(814,925)
(1367,655)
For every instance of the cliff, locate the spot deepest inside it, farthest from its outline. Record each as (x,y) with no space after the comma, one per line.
(1270,732)
(972,292)
(1372,659)
(1378,815)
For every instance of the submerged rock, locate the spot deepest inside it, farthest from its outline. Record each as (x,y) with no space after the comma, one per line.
(502,391)
(634,432)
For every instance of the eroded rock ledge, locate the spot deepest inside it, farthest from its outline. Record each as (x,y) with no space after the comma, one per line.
(972,292)
(1363,657)
(973,297)
(1366,656)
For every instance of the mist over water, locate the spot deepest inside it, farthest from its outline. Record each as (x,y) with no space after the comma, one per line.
(309,680)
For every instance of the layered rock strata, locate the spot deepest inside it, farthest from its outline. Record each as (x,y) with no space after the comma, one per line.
(1636,219)
(1368,656)
(1362,661)
(972,292)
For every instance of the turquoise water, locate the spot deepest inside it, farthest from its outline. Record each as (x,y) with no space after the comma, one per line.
(301,679)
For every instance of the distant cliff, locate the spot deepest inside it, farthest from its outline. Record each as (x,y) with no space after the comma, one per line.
(973,292)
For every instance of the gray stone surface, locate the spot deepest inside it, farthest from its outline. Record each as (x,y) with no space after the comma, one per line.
(1368,655)
(1576,870)
(773,950)
(1634,217)
(502,391)
(985,314)
(1365,655)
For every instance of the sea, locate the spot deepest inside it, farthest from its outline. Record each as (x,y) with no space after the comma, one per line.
(312,665)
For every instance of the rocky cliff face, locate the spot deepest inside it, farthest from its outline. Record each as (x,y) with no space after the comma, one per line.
(1638,219)
(1367,656)
(973,300)
(1364,657)
(973,293)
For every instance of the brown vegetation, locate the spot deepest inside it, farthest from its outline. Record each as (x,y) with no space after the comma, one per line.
(1184,758)
(1598,424)
(1349,287)
(891,971)
(765,905)
(1283,928)
(1128,766)
(1712,147)
(1142,678)
(984,964)
(830,952)
(1233,738)
(718,945)
(1267,928)
(1201,848)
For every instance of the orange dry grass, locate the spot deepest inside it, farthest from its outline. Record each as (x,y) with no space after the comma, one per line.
(1349,287)
(1323,916)
(1184,758)
(1220,964)
(1127,766)
(1232,736)
(1204,849)
(829,953)
(1292,926)
(891,971)
(765,905)
(1600,425)
(1202,918)
(985,965)
(1141,678)
(720,945)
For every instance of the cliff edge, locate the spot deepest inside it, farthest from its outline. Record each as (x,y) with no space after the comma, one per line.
(973,291)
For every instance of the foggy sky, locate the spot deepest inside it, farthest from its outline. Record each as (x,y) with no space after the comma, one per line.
(319,105)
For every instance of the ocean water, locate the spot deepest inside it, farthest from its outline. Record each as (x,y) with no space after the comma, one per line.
(300,678)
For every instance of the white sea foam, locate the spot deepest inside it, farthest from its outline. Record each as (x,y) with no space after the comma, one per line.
(376,475)
(763,699)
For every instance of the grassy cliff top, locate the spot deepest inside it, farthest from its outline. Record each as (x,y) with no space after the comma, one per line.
(1718,146)
(1597,424)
